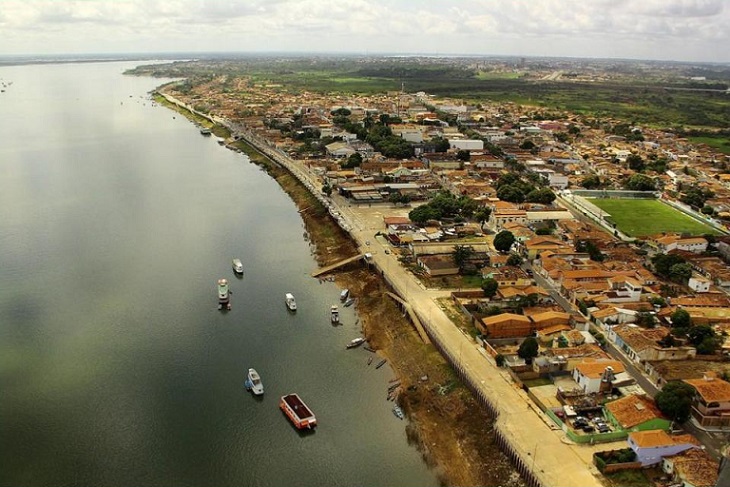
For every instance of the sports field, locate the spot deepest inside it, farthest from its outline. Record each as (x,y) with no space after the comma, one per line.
(639,218)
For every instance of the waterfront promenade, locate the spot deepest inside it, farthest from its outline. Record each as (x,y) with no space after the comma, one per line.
(535,441)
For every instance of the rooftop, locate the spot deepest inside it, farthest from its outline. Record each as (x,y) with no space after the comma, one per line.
(633,410)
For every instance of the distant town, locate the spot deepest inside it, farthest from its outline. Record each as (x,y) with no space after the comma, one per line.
(585,253)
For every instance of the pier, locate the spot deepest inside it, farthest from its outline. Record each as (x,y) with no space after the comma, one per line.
(337,265)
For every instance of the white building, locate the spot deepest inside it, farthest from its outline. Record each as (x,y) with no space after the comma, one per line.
(467,144)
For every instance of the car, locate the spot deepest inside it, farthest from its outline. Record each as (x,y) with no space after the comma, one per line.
(588,429)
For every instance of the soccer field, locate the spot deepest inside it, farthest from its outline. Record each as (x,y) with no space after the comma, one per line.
(639,218)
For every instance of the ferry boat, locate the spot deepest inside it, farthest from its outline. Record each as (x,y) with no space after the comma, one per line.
(355,342)
(344,295)
(290,302)
(334,314)
(224,295)
(237,266)
(253,382)
(297,412)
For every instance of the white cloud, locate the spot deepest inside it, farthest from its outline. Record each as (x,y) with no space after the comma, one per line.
(671,29)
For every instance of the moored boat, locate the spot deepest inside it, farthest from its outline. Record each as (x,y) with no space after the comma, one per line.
(205,131)
(290,302)
(253,382)
(237,266)
(398,412)
(349,302)
(344,295)
(356,342)
(224,295)
(334,314)
(297,412)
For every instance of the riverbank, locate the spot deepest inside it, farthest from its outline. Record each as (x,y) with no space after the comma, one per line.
(452,432)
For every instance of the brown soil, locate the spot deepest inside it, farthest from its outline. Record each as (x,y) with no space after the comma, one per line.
(452,432)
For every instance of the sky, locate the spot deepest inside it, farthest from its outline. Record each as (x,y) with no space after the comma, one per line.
(679,30)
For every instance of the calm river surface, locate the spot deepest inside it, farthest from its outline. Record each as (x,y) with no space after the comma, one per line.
(116,368)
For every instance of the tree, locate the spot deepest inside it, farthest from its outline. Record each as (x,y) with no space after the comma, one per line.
(499,360)
(511,193)
(490,287)
(542,195)
(663,263)
(635,162)
(462,254)
(482,214)
(514,260)
(640,182)
(675,400)
(463,155)
(707,210)
(591,182)
(441,144)
(503,241)
(698,334)
(708,346)
(327,189)
(353,161)
(680,272)
(424,213)
(681,319)
(528,349)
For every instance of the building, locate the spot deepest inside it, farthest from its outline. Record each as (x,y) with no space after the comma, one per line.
(636,413)
(505,325)
(466,144)
(693,468)
(651,446)
(596,375)
(668,243)
(438,265)
(711,404)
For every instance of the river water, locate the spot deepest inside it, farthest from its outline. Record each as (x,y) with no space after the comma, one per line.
(116,368)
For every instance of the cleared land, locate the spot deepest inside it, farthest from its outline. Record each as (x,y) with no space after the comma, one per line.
(639,218)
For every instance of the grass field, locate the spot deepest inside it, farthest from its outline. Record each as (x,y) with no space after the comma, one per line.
(639,218)
(721,144)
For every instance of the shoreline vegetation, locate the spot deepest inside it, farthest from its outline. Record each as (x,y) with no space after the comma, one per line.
(446,425)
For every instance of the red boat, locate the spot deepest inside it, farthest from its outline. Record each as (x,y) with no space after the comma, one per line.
(297,412)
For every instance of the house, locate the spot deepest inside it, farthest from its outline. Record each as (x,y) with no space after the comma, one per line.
(536,246)
(651,446)
(339,150)
(699,283)
(693,468)
(466,144)
(668,243)
(711,404)
(505,325)
(500,216)
(594,375)
(550,318)
(438,265)
(636,413)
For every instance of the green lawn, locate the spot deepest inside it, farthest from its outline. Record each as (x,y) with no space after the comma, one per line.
(639,218)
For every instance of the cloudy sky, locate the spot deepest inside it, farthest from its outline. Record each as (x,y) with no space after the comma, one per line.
(686,30)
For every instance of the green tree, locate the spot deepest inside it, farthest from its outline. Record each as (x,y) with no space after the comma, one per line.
(354,160)
(681,319)
(640,182)
(463,155)
(663,263)
(514,260)
(680,272)
(441,144)
(698,334)
(462,254)
(708,346)
(529,349)
(499,360)
(542,195)
(591,182)
(503,241)
(511,193)
(490,287)
(327,189)
(675,400)
(424,213)
(635,162)
(481,214)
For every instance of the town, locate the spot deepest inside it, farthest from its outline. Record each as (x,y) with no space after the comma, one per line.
(586,256)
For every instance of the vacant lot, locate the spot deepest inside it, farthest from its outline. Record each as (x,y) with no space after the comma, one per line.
(639,218)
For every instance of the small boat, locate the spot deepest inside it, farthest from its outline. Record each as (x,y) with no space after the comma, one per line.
(349,302)
(355,342)
(381,363)
(290,302)
(398,412)
(237,266)
(297,412)
(224,295)
(253,382)
(205,131)
(334,314)
(370,360)
(221,140)
(344,295)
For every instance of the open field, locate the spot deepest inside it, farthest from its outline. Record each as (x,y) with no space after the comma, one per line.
(639,218)
(721,144)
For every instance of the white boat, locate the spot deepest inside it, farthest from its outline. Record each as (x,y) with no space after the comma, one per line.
(253,382)
(224,295)
(290,302)
(237,266)
(356,342)
(334,314)
(344,295)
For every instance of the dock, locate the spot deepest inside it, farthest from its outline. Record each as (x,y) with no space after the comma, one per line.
(414,319)
(336,265)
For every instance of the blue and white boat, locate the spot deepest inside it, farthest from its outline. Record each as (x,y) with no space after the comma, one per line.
(253,382)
